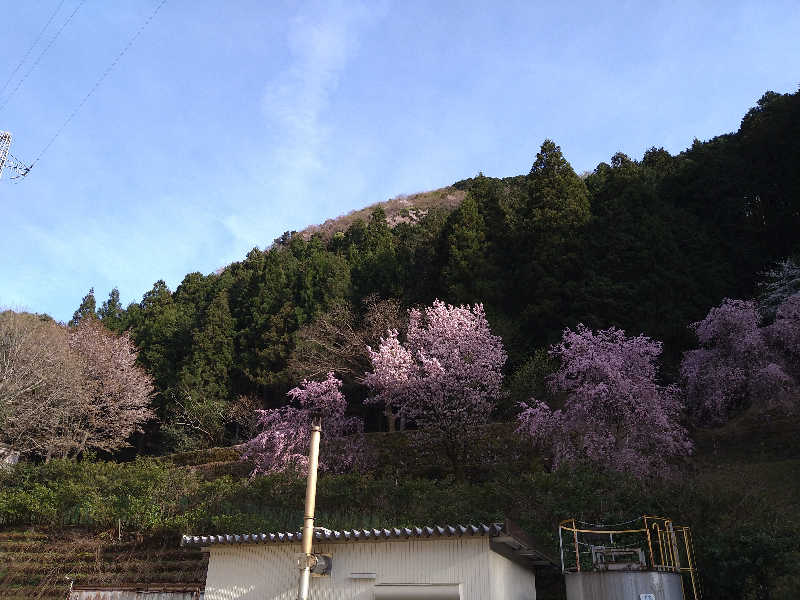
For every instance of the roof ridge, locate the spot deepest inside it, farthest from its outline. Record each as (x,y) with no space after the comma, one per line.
(324,534)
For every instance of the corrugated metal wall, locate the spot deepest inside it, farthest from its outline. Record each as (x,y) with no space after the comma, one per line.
(509,581)
(268,572)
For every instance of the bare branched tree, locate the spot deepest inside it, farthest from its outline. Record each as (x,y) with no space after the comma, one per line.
(242,414)
(65,390)
(337,340)
(200,415)
(40,378)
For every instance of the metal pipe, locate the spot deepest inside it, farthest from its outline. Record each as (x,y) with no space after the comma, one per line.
(676,556)
(575,537)
(690,558)
(649,543)
(308,517)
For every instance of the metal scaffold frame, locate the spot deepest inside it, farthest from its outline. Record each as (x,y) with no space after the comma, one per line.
(666,547)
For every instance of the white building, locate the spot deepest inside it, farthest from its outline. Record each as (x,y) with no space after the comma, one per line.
(465,562)
(157,591)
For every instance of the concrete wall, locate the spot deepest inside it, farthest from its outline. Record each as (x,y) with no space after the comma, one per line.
(437,566)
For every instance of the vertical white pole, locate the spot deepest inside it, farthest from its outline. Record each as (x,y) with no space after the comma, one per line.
(308,517)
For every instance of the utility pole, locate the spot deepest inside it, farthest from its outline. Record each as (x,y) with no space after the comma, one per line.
(8,161)
(307,562)
(5,144)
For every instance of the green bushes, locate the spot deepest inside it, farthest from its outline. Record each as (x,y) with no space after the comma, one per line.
(145,495)
(35,504)
(744,549)
(202,457)
(154,497)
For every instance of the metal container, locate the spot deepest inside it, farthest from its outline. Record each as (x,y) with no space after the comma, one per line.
(623,585)
(647,558)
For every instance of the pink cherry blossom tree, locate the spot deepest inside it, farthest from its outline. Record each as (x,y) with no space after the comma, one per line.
(286,432)
(116,390)
(614,412)
(740,363)
(784,333)
(445,377)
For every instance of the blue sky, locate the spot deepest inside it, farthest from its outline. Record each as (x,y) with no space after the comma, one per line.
(228,123)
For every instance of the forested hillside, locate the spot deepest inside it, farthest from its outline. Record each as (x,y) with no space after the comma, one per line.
(540,346)
(647,245)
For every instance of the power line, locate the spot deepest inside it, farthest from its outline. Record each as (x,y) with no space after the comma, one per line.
(99,81)
(41,54)
(32,46)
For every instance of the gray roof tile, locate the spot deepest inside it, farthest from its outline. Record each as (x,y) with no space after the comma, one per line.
(481,529)
(505,538)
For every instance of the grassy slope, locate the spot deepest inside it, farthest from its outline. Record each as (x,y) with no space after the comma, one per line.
(757,460)
(753,467)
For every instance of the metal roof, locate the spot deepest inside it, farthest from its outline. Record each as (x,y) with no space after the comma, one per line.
(505,538)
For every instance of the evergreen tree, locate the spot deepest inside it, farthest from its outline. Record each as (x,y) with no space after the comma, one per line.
(111,312)
(373,258)
(192,299)
(86,310)
(285,289)
(154,324)
(769,146)
(212,351)
(204,392)
(557,197)
(465,274)
(547,237)
(421,251)
(651,266)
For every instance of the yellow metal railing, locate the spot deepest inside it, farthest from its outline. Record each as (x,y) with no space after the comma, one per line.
(665,547)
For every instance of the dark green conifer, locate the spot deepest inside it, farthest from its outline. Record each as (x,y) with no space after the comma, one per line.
(111,312)
(86,310)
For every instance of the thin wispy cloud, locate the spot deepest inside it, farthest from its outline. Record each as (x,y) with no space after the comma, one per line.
(321,42)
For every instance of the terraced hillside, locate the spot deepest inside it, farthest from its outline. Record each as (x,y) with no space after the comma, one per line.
(40,565)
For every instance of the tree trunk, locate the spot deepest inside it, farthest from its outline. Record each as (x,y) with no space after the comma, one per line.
(391,419)
(455,460)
